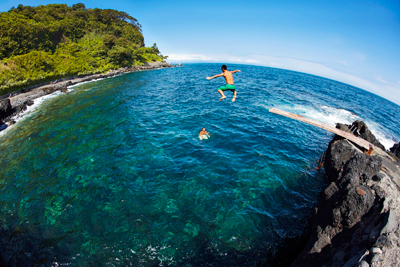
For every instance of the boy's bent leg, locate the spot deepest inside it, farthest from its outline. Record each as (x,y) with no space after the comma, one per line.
(234,96)
(222,94)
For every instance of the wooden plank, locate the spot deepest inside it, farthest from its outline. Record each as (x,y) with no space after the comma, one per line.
(361,142)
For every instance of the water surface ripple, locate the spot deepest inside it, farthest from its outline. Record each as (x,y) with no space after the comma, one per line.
(113,173)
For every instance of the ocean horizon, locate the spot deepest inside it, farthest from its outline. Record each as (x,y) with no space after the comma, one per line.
(114,172)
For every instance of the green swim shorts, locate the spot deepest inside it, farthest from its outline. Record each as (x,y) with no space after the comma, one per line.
(230,87)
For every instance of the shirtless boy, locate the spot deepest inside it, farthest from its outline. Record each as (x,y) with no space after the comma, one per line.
(203,134)
(229,82)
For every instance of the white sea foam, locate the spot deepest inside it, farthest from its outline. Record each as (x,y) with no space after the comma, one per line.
(30,110)
(38,102)
(325,114)
(331,116)
(94,80)
(386,138)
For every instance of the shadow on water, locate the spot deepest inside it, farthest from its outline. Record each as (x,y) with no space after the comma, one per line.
(28,246)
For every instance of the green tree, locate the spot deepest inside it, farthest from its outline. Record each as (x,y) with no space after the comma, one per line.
(41,43)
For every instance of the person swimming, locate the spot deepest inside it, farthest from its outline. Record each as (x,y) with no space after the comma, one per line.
(229,82)
(203,134)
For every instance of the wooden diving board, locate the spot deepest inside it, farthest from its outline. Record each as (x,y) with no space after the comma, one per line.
(358,141)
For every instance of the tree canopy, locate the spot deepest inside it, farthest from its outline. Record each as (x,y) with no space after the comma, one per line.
(42,43)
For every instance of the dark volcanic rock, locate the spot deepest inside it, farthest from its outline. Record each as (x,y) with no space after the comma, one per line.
(355,222)
(50,90)
(378,177)
(357,202)
(360,167)
(331,190)
(5,108)
(359,129)
(337,154)
(20,108)
(344,127)
(364,133)
(347,219)
(29,102)
(395,149)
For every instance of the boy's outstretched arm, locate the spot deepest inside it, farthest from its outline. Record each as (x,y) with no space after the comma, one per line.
(235,71)
(215,76)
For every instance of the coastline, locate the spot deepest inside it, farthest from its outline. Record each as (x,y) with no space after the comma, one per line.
(356,220)
(15,103)
(380,219)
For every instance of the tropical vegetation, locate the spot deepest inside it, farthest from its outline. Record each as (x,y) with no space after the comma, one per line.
(43,43)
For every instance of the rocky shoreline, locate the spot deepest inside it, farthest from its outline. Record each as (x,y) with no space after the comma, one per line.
(356,222)
(14,103)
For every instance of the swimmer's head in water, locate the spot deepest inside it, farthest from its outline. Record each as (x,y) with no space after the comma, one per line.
(223,67)
(203,129)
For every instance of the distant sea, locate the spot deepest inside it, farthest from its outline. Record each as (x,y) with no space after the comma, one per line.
(113,173)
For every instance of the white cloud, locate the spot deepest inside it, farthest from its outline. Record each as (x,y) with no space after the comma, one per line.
(250,61)
(379,78)
(191,58)
(210,58)
(379,86)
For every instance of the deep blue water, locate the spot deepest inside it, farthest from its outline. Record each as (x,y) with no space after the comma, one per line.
(113,173)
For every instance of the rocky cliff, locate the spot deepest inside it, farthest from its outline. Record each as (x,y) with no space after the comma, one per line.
(356,220)
(396,150)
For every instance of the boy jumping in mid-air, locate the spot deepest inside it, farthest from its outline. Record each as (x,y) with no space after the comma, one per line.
(229,82)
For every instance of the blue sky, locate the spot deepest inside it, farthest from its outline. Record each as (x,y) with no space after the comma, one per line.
(355,42)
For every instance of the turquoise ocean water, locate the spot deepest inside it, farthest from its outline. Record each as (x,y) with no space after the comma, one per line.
(113,172)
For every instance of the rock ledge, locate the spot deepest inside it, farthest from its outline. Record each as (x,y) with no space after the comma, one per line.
(355,222)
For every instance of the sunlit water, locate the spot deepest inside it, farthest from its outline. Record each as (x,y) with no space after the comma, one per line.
(113,172)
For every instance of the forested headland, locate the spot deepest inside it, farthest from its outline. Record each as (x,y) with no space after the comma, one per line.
(43,43)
